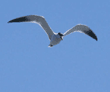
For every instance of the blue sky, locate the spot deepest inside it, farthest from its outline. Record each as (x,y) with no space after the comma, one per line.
(77,64)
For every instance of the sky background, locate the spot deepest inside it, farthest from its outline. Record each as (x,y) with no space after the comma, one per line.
(77,64)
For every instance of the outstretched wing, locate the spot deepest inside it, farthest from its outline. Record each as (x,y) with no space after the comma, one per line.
(83,29)
(35,19)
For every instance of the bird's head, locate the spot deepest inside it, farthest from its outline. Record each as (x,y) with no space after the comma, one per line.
(60,34)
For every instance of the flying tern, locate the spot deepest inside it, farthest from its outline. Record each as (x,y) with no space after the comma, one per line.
(54,38)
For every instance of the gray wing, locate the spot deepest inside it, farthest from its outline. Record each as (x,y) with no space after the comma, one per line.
(35,19)
(83,29)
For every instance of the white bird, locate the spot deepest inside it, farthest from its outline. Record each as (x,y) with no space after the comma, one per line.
(54,38)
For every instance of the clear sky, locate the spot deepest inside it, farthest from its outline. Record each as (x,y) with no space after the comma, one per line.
(77,64)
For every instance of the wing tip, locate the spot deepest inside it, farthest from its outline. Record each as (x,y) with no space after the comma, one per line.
(20,19)
(96,39)
(9,21)
(92,34)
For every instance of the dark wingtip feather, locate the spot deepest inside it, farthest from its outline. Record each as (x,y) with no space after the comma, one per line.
(96,39)
(9,22)
(90,33)
(21,19)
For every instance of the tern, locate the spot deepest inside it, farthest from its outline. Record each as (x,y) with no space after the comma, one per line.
(54,38)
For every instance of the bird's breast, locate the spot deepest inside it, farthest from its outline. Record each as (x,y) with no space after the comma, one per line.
(55,40)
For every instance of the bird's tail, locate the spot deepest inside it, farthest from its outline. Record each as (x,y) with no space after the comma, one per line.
(50,45)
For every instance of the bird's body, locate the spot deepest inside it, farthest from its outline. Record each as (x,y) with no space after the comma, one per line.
(54,38)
